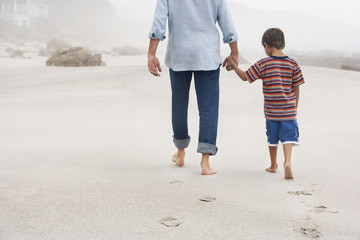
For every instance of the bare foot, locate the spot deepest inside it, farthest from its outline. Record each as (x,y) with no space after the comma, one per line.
(288,171)
(272,169)
(205,167)
(178,159)
(208,171)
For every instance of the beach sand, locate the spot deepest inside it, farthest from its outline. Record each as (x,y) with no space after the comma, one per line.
(85,153)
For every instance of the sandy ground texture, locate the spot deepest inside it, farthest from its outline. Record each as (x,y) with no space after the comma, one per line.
(85,153)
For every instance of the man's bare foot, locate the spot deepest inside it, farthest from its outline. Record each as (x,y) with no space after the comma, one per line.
(205,167)
(178,158)
(288,171)
(272,169)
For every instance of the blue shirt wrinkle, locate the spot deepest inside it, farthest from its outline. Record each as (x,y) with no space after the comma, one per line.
(194,40)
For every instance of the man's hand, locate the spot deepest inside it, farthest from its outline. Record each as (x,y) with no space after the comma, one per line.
(234,59)
(154,65)
(230,62)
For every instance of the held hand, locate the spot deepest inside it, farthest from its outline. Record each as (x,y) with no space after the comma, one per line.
(231,62)
(154,65)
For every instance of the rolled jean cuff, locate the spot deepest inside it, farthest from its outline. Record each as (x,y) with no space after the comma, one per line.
(181,143)
(207,148)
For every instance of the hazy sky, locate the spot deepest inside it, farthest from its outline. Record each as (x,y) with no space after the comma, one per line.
(344,11)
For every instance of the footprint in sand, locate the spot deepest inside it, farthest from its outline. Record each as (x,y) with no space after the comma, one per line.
(207,199)
(321,209)
(170,222)
(176,182)
(311,232)
(303,192)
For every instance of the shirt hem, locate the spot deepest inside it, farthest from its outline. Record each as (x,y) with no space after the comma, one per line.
(176,69)
(298,84)
(280,119)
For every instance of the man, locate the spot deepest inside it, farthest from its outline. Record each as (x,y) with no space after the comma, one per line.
(193,49)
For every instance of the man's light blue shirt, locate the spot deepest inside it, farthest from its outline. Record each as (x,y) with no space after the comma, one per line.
(194,40)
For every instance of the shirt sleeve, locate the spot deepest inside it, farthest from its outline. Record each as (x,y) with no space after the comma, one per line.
(253,73)
(158,29)
(298,78)
(226,23)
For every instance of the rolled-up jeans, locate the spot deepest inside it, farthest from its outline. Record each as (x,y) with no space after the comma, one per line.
(207,92)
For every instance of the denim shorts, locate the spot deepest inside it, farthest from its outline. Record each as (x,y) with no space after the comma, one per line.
(283,131)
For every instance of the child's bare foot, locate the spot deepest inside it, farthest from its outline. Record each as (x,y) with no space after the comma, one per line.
(272,169)
(288,171)
(178,158)
(208,171)
(205,167)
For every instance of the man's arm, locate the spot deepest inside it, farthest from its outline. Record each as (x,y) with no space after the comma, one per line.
(157,34)
(297,94)
(234,55)
(228,30)
(153,61)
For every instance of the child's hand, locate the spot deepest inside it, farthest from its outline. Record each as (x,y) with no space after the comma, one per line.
(228,65)
(234,66)
(228,60)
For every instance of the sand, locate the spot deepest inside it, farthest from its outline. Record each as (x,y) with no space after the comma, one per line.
(85,153)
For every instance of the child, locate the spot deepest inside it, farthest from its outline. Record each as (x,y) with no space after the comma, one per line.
(281,77)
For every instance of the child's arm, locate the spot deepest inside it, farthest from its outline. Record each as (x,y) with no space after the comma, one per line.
(238,71)
(297,94)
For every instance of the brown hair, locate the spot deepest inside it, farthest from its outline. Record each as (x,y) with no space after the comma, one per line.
(274,37)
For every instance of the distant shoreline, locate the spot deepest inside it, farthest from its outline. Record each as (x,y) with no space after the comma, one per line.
(343,63)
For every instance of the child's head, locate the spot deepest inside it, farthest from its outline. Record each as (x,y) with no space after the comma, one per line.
(274,37)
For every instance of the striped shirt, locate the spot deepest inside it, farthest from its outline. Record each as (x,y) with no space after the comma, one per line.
(279,75)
